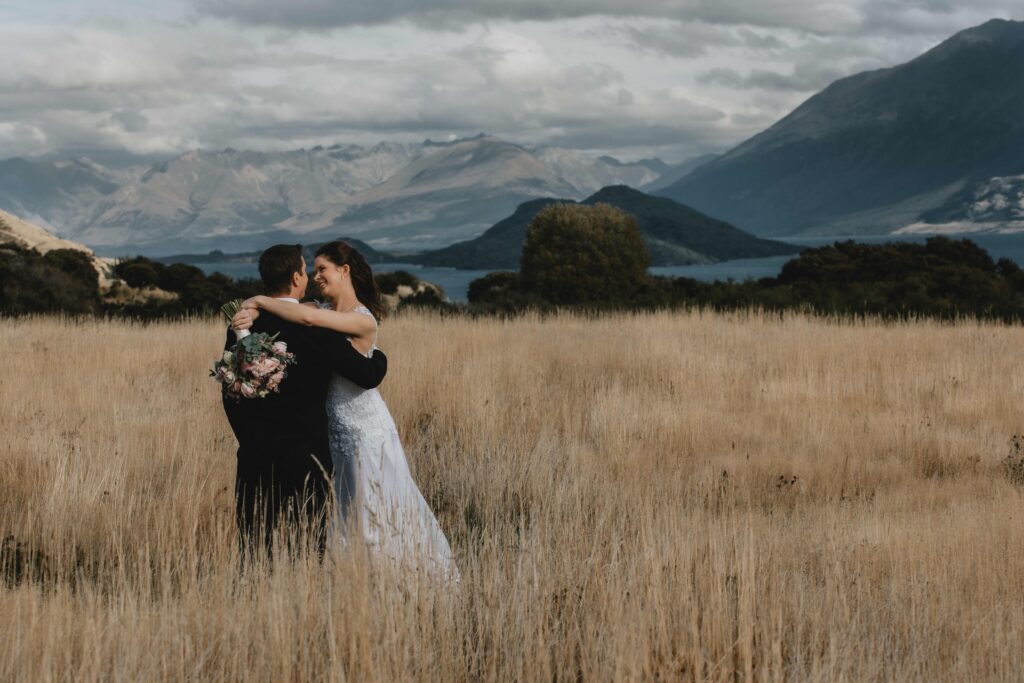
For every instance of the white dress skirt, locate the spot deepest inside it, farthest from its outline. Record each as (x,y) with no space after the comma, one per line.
(375,492)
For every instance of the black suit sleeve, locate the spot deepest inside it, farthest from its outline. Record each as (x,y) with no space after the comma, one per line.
(343,358)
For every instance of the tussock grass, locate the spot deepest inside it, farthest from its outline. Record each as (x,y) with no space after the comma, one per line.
(650,497)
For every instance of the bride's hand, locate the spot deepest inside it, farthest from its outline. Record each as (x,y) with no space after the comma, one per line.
(252,303)
(243,319)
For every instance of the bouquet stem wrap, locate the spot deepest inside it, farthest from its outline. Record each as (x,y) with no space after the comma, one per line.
(255,366)
(229,310)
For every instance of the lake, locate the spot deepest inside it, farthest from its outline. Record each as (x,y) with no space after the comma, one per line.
(456,282)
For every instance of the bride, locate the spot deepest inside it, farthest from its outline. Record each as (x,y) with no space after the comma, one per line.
(376,494)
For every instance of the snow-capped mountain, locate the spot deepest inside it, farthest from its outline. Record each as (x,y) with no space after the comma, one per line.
(391,194)
(56,195)
(993,206)
(1000,199)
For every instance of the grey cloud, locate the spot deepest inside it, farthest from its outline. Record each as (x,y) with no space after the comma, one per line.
(174,99)
(731,78)
(760,41)
(686,40)
(317,15)
(936,19)
(212,85)
(599,135)
(804,78)
(129,121)
(689,40)
(864,18)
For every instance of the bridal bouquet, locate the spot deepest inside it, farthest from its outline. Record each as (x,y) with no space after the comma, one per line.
(255,366)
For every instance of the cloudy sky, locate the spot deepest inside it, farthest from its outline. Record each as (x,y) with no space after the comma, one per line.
(671,78)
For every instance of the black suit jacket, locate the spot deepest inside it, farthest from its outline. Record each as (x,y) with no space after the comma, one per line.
(283,428)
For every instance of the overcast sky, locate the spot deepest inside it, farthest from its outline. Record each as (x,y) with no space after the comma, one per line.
(634,78)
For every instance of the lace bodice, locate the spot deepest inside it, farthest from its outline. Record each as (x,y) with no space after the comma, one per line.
(354,414)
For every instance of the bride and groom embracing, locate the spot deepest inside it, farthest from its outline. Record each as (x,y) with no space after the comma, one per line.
(322,453)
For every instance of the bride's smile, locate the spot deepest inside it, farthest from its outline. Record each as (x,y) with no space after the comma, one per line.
(331,279)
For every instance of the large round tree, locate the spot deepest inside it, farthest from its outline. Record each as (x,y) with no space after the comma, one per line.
(578,254)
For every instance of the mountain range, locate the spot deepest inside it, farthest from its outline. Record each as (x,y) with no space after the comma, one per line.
(411,195)
(921,142)
(675,235)
(935,144)
(372,256)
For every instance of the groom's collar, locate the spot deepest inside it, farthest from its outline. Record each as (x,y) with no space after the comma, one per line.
(286,298)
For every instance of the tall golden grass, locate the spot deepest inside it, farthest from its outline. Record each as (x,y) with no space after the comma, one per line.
(648,497)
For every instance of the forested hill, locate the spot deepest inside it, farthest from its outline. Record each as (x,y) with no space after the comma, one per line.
(675,234)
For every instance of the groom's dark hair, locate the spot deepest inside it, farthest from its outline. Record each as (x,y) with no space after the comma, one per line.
(278,264)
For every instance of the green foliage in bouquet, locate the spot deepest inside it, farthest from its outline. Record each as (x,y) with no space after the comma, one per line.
(255,366)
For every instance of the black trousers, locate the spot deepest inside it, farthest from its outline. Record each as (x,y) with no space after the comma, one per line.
(286,494)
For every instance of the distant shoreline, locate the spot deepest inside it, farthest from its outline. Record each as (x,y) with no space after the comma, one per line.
(456,281)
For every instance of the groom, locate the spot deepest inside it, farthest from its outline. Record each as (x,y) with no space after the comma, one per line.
(284,460)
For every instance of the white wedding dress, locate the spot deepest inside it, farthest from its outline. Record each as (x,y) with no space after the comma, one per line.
(375,492)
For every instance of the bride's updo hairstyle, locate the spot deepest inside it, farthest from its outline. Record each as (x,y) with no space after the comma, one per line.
(342,254)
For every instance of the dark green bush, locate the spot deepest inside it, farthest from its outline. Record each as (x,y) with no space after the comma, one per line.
(429,298)
(941,278)
(197,293)
(576,254)
(388,283)
(76,264)
(62,281)
(138,272)
(176,277)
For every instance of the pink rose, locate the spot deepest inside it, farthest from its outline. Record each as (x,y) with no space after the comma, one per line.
(228,377)
(262,368)
(271,365)
(236,387)
(280,348)
(247,390)
(275,380)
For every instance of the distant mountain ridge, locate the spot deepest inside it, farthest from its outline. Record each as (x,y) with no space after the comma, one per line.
(391,193)
(675,235)
(673,174)
(372,256)
(881,149)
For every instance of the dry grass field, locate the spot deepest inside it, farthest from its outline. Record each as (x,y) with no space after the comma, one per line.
(653,497)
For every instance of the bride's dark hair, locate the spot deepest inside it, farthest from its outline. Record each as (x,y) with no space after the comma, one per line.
(343,254)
